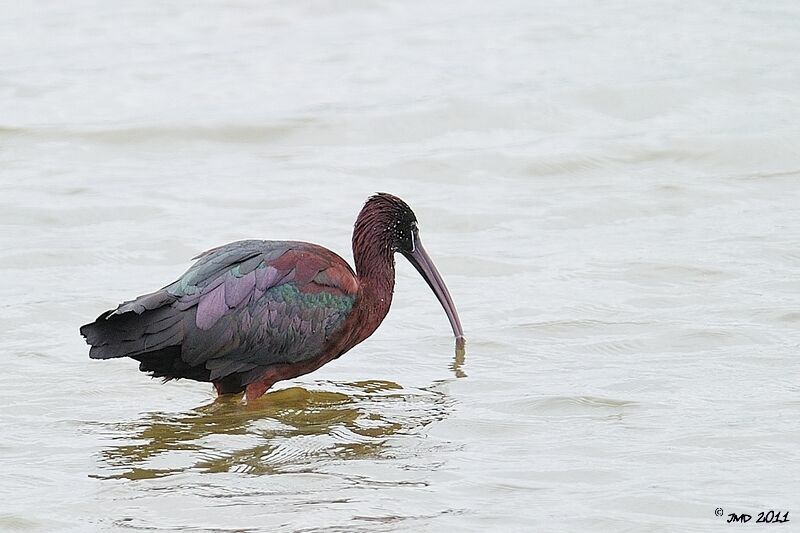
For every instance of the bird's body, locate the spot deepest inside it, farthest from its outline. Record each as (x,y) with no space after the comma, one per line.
(251,313)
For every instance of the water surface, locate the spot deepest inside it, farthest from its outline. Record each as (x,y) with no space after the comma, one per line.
(610,191)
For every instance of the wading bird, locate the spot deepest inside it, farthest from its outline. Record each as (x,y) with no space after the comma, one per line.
(251,313)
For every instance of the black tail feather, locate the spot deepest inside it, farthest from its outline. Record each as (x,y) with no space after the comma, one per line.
(167,363)
(151,330)
(147,324)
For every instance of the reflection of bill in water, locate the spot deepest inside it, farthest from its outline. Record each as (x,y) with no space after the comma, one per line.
(458,359)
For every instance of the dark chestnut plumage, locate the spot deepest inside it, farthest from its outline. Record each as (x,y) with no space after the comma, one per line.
(251,313)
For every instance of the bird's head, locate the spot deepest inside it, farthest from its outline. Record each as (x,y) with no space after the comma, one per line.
(389,219)
(388,222)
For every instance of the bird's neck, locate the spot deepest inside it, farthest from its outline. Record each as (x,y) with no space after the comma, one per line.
(374,261)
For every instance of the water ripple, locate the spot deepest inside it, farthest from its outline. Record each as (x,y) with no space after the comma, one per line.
(286,430)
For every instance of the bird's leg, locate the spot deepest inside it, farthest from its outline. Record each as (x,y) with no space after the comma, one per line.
(257,389)
(228,385)
(278,373)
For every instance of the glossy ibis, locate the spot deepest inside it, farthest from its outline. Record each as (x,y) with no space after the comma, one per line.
(251,313)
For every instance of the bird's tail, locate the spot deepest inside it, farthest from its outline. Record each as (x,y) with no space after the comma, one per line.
(144,325)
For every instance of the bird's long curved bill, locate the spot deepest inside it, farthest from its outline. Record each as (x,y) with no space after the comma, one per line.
(424,265)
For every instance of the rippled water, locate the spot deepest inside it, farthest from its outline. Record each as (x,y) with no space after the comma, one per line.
(609,189)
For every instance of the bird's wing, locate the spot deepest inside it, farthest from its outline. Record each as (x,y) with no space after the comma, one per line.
(259,303)
(244,305)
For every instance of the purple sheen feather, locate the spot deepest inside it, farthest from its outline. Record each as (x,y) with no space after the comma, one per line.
(216,282)
(287,278)
(237,289)
(257,294)
(211,308)
(266,277)
(246,321)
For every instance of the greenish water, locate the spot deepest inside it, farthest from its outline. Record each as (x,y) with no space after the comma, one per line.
(609,190)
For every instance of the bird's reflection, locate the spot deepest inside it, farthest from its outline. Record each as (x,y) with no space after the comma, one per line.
(288,430)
